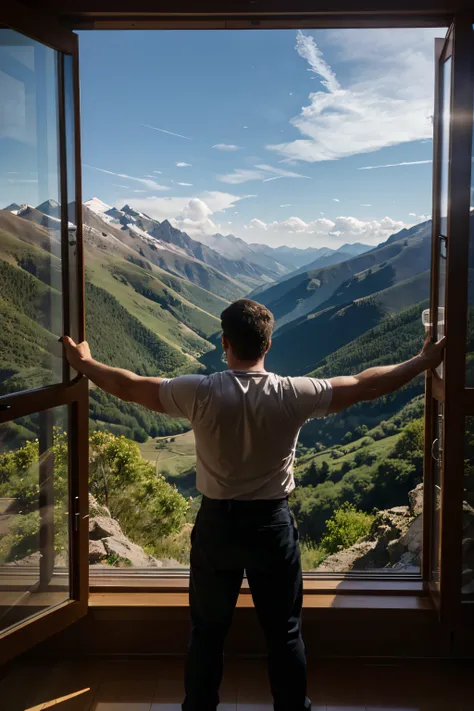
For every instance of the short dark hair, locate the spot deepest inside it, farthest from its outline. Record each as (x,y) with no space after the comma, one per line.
(248,327)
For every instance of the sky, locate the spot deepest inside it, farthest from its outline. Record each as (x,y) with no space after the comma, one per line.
(306,138)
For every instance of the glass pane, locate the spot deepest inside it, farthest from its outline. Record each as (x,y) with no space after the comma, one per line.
(30,244)
(468,511)
(437,453)
(444,148)
(440,325)
(71,196)
(34,515)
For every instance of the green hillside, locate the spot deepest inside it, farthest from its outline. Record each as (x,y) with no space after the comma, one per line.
(394,340)
(380,268)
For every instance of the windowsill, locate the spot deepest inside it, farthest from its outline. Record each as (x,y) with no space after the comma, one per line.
(146,603)
(116,584)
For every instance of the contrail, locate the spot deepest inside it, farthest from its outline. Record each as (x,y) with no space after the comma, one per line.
(163,130)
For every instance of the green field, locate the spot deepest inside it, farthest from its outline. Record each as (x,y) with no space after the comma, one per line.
(171,456)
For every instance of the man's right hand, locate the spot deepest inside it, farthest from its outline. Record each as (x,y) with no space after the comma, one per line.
(77,353)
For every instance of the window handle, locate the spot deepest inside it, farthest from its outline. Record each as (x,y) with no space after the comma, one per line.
(434,444)
(4,408)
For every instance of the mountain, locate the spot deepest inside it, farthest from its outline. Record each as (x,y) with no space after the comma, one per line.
(402,256)
(13,207)
(163,236)
(139,315)
(237,248)
(354,249)
(50,207)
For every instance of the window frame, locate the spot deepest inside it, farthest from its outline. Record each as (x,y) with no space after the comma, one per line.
(183,18)
(71,393)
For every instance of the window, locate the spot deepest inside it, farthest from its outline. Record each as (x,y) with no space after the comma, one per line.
(43,409)
(167,201)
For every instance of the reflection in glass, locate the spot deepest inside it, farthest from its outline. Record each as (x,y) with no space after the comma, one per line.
(444,148)
(34,518)
(30,226)
(437,454)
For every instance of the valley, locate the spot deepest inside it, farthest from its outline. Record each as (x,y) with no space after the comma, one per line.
(153,300)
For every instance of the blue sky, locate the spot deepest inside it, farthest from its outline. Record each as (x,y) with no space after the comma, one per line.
(280,132)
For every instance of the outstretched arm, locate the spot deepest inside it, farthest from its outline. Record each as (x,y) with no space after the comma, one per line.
(378,381)
(122,383)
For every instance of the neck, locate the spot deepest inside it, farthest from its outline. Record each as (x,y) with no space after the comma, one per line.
(250,365)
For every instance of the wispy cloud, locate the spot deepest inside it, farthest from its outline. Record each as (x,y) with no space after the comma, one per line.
(183,165)
(287,204)
(262,172)
(139,191)
(412,214)
(395,165)
(119,185)
(158,172)
(387,100)
(309,50)
(151,184)
(227,147)
(336,200)
(185,185)
(163,130)
(366,204)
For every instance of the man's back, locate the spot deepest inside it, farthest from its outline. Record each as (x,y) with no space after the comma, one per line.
(246,425)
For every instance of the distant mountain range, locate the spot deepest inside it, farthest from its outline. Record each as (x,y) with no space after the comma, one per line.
(154,296)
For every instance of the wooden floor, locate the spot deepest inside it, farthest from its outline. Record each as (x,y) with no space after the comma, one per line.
(156,685)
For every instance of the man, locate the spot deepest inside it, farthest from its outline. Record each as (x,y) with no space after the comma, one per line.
(246,423)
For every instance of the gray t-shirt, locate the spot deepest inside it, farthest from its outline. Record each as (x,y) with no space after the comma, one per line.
(246,426)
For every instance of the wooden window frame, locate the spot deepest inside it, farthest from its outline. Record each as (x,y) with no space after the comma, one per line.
(70,393)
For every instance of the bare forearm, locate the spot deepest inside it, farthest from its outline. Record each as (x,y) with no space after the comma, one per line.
(115,381)
(382,380)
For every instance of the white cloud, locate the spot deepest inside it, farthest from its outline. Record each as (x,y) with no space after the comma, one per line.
(185,185)
(227,147)
(366,204)
(194,215)
(308,49)
(336,200)
(412,214)
(287,204)
(139,191)
(262,172)
(322,231)
(159,172)
(151,184)
(183,165)
(395,165)
(163,130)
(387,99)
(119,185)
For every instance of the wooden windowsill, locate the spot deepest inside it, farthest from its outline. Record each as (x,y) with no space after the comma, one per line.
(117,584)
(146,602)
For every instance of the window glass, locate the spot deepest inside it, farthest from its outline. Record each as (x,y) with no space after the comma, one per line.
(34,515)
(30,235)
(444,152)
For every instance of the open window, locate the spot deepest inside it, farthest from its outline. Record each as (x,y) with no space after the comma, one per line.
(449,518)
(43,405)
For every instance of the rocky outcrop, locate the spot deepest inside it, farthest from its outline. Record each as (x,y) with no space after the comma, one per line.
(109,546)
(394,542)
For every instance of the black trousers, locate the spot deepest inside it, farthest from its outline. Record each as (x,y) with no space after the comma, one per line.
(258,537)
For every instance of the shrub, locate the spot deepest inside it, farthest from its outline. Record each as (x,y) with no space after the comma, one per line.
(345,527)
